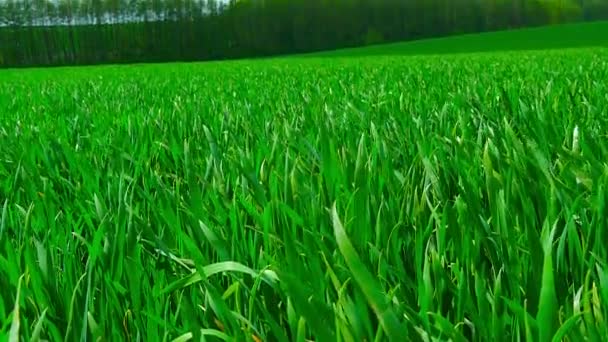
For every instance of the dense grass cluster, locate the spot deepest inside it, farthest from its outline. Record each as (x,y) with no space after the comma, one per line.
(357,199)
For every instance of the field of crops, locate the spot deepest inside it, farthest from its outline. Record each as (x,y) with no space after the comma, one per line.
(456,197)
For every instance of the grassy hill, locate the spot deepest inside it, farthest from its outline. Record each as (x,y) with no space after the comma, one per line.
(594,34)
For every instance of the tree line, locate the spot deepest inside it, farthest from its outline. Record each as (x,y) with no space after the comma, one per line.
(72,32)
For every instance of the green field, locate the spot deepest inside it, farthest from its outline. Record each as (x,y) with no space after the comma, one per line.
(430,198)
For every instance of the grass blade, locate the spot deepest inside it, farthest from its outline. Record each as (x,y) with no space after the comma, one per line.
(16,322)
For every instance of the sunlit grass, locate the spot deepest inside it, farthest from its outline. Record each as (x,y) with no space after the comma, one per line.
(357,199)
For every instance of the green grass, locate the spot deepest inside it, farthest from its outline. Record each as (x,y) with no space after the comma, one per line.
(456,197)
(580,35)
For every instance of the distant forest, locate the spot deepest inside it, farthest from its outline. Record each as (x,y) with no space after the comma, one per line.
(73,32)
